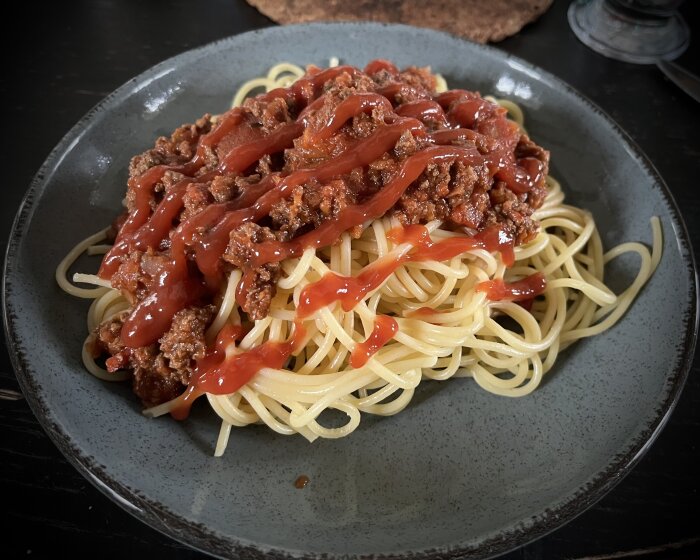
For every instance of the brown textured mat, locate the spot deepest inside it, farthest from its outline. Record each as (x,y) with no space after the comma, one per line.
(478,20)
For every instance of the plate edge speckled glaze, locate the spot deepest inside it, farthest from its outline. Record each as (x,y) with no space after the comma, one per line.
(160,518)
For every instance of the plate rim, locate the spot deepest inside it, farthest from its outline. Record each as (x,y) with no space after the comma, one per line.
(198,536)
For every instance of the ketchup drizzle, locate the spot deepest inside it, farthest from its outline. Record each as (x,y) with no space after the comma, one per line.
(218,374)
(521,290)
(385,328)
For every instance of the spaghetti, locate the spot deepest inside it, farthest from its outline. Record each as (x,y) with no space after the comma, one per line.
(358,316)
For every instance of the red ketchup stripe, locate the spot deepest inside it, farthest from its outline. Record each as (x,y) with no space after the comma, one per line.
(424,312)
(392,90)
(217,374)
(520,290)
(348,290)
(346,110)
(381,64)
(243,156)
(427,110)
(385,328)
(493,238)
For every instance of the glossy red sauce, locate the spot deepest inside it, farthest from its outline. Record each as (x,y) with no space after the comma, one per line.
(380,64)
(521,178)
(423,312)
(347,109)
(348,290)
(393,90)
(385,328)
(493,238)
(174,290)
(242,156)
(427,110)
(220,375)
(520,290)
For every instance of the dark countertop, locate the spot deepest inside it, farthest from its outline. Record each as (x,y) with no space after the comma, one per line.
(74,53)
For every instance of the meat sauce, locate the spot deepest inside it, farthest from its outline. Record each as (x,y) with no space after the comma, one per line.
(372,143)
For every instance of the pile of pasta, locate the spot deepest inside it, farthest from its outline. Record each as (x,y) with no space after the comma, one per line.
(446,325)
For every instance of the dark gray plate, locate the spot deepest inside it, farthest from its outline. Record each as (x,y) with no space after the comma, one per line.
(460,471)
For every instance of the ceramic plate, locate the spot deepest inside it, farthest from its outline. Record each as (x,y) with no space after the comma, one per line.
(460,471)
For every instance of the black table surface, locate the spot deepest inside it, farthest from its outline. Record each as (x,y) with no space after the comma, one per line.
(72,54)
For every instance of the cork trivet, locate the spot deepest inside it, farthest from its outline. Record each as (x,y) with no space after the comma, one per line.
(478,20)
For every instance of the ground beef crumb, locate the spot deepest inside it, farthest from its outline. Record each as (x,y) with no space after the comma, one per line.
(197,198)
(129,277)
(223,188)
(176,150)
(184,342)
(262,284)
(511,212)
(310,205)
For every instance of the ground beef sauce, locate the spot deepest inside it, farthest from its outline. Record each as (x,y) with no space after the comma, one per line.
(291,169)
